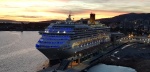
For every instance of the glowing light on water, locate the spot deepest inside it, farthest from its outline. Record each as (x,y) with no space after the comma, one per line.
(110,68)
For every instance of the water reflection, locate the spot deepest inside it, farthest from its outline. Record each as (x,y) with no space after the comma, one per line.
(18,52)
(110,68)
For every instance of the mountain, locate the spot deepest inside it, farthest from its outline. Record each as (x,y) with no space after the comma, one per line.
(51,21)
(119,18)
(2,20)
(129,17)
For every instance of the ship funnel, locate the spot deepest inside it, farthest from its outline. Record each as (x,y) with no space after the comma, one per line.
(92,18)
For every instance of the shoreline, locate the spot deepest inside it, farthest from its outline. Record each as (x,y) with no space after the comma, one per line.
(136,56)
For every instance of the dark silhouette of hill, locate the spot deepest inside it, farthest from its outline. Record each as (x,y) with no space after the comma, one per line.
(123,17)
(129,17)
(51,21)
(3,20)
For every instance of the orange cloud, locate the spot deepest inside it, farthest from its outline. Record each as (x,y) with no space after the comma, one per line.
(40,10)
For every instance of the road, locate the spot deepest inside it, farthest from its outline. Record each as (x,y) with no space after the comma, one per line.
(133,50)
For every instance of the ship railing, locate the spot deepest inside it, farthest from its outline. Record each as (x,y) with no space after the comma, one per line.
(79,40)
(84,46)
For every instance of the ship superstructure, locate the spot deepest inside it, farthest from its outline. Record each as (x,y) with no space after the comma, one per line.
(66,39)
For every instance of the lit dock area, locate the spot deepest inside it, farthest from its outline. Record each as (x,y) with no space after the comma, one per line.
(73,67)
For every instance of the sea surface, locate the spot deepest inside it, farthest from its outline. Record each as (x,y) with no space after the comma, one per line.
(110,68)
(18,52)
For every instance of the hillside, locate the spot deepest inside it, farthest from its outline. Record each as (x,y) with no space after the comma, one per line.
(129,17)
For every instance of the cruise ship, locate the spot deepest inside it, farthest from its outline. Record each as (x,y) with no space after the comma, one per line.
(62,40)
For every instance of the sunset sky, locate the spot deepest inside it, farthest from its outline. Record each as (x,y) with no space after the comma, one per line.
(41,10)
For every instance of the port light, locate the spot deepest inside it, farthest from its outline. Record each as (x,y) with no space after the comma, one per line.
(46,32)
(58,32)
(64,32)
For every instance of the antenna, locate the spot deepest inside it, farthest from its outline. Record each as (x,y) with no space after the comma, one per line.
(69,17)
(69,14)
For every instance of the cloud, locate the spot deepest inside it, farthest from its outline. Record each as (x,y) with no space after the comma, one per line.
(23,16)
(52,9)
(95,1)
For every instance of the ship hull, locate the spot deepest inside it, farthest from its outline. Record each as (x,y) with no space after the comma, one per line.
(53,54)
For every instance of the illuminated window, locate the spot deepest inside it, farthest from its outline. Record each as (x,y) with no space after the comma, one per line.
(64,32)
(58,32)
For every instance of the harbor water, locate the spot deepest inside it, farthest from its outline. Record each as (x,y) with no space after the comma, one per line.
(18,52)
(110,68)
